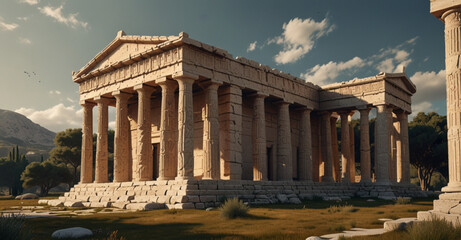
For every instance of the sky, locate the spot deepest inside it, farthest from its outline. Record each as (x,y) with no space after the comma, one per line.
(322,41)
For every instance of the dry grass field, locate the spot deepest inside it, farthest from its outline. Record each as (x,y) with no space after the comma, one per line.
(265,222)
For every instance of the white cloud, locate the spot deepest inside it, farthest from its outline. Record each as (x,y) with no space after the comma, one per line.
(298,38)
(70,100)
(56,13)
(54,92)
(25,41)
(392,60)
(7,26)
(112,125)
(327,73)
(430,86)
(421,107)
(30,2)
(252,46)
(56,118)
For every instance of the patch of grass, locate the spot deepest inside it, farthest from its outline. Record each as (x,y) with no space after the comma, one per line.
(334,209)
(377,222)
(380,212)
(172,211)
(234,208)
(349,208)
(337,228)
(403,200)
(353,224)
(392,216)
(435,229)
(13,227)
(344,208)
(412,210)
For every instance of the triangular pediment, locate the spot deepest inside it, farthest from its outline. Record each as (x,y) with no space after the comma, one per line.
(402,81)
(121,49)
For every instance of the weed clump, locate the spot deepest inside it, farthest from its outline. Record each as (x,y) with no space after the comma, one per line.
(12,227)
(234,208)
(435,229)
(403,200)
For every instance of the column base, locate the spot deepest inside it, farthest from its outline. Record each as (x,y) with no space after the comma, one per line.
(452,188)
(327,179)
(365,181)
(101,182)
(383,183)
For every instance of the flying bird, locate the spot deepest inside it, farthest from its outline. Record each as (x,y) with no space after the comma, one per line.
(30,76)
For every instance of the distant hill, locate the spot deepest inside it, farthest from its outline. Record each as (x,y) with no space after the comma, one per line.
(33,139)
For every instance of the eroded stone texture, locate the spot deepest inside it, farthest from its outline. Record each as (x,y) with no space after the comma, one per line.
(382,144)
(86,169)
(305,143)
(335,149)
(259,138)
(284,161)
(101,171)
(211,159)
(327,153)
(365,162)
(168,131)
(121,147)
(345,147)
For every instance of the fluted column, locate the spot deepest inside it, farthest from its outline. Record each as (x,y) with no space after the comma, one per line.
(452,19)
(168,131)
(365,164)
(122,131)
(345,147)
(101,171)
(382,144)
(145,166)
(403,163)
(352,149)
(284,151)
(211,160)
(305,146)
(259,138)
(327,153)
(185,126)
(86,169)
(335,149)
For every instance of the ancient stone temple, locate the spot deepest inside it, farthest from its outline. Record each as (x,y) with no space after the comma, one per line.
(195,125)
(448,206)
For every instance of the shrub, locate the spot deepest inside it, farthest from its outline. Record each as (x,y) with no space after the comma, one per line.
(12,227)
(435,229)
(233,208)
(403,200)
(337,228)
(339,208)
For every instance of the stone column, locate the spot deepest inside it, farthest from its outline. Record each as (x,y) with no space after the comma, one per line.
(211,161)
(101,173)
(305,146)
(185,126)
(335,150)
(168,131)
(86,169)
(345,147)
(230,130)
(284,151)
(122,131)
(452,19)
(327,153)
(352,148)
(403,173)
(382,145)
(365,163)
(316,152)
(392,149)
(259,138)
(145,170)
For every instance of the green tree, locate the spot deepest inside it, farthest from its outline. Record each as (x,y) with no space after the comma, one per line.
(46,175)
(68,150)
(11,169)
(428,145)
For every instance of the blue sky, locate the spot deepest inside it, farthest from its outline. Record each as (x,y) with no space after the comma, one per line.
(322,41)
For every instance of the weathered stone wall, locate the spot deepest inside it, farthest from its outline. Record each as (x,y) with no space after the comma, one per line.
(201,194)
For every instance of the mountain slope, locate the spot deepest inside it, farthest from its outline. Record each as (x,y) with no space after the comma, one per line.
(16,129)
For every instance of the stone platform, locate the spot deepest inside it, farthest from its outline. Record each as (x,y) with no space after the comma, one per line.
(447,207)
(202,194)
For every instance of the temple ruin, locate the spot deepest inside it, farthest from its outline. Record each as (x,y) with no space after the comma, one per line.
(195,125)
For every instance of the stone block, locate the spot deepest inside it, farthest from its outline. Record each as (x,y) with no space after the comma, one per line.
(444,206)
(73,204)
(144,206)
(207,198)
(43,201)
(199,205)
(399,224)
(184,206)
(55,203)
(456,210)
(125,198)
(120,204)
(86,204)
(100,204)
(282,198)
(294,201)
(193,198)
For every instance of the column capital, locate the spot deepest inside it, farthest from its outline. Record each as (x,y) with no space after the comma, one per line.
(258,95)
(184,76)
(210,84)
(144,88)
(283,102)
(101,99)
(167,83)
(344,112)
(121,95)
(304,108)
(85,103)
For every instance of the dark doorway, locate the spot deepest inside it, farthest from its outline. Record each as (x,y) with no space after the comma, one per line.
(270,176)
(155,157)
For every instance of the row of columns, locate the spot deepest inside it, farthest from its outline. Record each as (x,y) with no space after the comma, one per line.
(175,143)
(176,159)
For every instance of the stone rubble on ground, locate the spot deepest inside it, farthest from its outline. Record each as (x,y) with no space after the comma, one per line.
(75,232)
